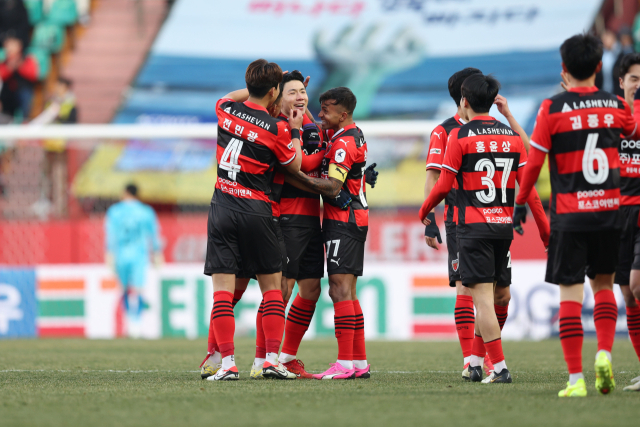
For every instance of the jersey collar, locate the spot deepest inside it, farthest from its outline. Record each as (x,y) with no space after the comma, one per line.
(255,106)
(458,119)
(483,118)
(344,129)
(583,89)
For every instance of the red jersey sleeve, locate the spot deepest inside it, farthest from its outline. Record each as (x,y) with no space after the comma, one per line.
(453,155)
(523,155)
(221,100)
(629,124)
(436,148)
(283,146)
(541,137)
(344,152)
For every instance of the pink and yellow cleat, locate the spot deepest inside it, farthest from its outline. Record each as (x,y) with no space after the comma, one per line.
(336,372)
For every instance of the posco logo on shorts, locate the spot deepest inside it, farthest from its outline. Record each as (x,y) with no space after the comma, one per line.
(492,211)
(629,144)
(589,194)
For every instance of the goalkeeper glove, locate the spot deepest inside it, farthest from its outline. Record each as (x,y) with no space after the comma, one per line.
(371,175)
(519,218)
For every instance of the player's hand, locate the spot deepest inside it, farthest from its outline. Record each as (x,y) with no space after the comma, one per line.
(343,200)
(503,106)
(295,118)
(306,81)
(432,231)
(371,175)
(565,81)
(519,218)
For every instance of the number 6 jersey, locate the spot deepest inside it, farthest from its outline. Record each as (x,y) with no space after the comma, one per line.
(580,130)
(485,156)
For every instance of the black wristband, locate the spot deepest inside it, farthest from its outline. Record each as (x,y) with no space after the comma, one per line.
(295,134)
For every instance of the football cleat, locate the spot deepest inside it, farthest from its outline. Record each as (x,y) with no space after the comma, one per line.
(256,372)
(277,372)
(488,366)
(579,389)
(297,367)
(364,373)
(208,370)
(604,374)
(465,372)
(475,374)
(503,376)
(635,385)
(336,372)
(230,374)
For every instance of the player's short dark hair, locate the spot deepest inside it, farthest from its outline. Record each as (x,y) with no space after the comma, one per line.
(341,96)
(131,189)
(455,82)
(480,91)
(581,55)
(627,61)
(262,76)
(294,75)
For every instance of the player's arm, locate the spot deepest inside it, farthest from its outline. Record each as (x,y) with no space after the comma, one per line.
(434,159)
(539,216)
(450,166)
(288,141)
(329,187)
(239,95)
(311,162)
(503,108)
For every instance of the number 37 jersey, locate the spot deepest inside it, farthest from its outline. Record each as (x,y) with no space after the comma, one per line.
(580,129)
(485,156)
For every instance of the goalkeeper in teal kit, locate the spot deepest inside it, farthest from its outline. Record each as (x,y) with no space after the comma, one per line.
(131,232)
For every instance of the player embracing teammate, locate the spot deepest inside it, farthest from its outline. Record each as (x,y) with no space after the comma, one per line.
(580,129)
(242,234)
(485,158)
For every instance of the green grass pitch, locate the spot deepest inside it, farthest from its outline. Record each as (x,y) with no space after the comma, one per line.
(157,383)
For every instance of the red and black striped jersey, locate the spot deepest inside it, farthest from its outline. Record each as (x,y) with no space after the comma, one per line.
(348,150)
(485,155)
(437,148)
(300,208)
(580,129)
(629,171)
(250,143)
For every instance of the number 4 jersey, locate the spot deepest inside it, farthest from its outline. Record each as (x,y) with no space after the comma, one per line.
(250,142)
(485,156)
(580,130)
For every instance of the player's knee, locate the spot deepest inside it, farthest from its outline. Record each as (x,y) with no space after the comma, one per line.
(339,293)
(502,297)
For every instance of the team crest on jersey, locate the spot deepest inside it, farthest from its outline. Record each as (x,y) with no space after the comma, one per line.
(340,155)
(290,146)
(455,264)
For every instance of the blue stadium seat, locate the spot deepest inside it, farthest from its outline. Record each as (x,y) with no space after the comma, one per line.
(63,13)
(34,9)
(49,37)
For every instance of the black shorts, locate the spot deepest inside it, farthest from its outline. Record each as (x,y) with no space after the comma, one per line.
(629,256)
(484,261)
(572,254)
(305,252)
(454,259)
(240,243)
(345,254)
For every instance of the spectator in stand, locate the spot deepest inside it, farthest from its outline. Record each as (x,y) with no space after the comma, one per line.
(14,21)
(18,76)
(626,47)
(61,108)
(609,57)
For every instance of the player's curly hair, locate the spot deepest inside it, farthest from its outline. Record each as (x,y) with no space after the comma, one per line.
(627,61)
(261,76)
(341,96)
(480,91)
(581,54)
(455,82)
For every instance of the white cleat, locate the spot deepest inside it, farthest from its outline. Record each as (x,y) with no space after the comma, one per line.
(635,385)
(230,374)
(277,372)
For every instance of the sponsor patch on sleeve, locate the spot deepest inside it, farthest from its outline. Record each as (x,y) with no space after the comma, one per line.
(435,151)
(290,146)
